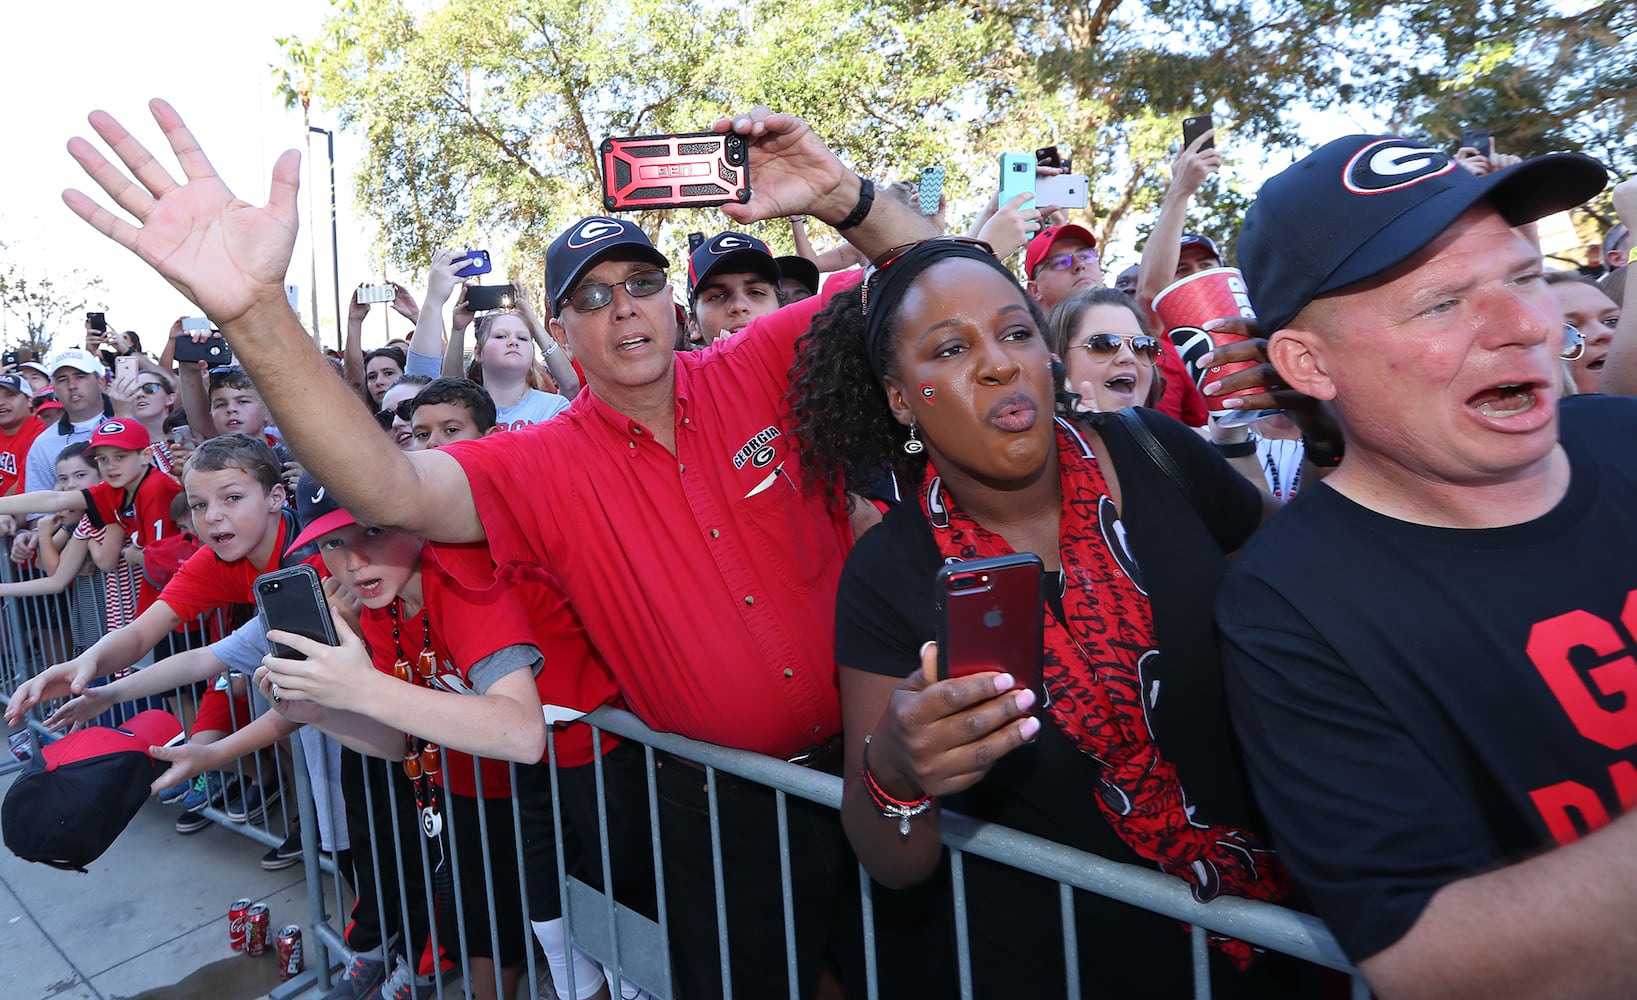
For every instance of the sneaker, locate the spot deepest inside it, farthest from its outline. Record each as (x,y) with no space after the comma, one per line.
(208,789)
(192,821)
(361,978)
(286,855)
(403,984)
(175,793)
(251,805)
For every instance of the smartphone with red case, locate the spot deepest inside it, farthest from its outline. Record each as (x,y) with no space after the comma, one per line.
(991,617)
(688,170)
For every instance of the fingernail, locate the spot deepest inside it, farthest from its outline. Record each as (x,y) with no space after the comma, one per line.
(741,122)
(1204,360)
(1004,682)
(1030,728)
(1212,324)
(1210,388)
(1025,700)
(1233,404)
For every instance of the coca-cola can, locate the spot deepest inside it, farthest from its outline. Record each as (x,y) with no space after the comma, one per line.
(291,963)
(235,923)
(257,925)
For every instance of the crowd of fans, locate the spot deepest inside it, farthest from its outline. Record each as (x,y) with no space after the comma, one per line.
(726,513)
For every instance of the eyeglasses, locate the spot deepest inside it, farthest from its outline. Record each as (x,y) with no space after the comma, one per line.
(1104,346)
(1065,261)
(594,295)
(402,412)
(1574,345)
(149,388)
(891,257)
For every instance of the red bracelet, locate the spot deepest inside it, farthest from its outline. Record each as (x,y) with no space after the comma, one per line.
(890,807)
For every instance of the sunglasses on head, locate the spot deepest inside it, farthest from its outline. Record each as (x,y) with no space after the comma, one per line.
(594,295)
(1104,346)
(891,257)
(1574,345)
(402,412)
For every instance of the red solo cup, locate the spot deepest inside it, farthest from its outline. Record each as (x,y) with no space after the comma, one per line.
(1186,306)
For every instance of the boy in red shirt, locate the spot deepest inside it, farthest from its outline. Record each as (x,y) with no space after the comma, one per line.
(238,508)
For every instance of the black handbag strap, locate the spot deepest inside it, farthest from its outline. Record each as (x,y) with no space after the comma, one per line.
(1150,444)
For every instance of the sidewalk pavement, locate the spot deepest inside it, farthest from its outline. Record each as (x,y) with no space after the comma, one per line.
(149,921)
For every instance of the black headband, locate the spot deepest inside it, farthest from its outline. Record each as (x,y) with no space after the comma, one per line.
(893,280)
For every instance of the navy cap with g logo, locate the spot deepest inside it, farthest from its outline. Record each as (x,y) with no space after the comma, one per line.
(587,243)
(1361,205)
(731,253)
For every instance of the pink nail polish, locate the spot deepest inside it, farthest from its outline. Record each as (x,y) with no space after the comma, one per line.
(1004,682)
(1030,728)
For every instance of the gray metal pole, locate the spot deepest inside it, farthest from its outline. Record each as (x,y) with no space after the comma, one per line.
(335,240)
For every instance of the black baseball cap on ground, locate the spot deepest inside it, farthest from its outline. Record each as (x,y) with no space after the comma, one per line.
(801,269)
(587,243)
(730,253)
(1361,205)
(80,792)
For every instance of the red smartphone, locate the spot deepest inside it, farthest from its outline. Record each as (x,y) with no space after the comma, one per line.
(991,616)
(690,170)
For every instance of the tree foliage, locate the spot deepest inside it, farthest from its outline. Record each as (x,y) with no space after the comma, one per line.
(45,303)
(480,118)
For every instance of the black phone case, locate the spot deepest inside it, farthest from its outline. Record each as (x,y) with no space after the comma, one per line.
(1193,128)
(215,350)
(292,599)
(481,298)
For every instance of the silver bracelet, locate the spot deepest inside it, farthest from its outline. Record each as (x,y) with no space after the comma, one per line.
(551,347)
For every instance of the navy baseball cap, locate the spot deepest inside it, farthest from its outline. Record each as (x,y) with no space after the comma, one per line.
(1363,204)
(318,511)
(731,253)
(589,242)
(1196,240)
(799,269)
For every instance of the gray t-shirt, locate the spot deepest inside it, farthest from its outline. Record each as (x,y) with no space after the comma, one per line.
(536,407)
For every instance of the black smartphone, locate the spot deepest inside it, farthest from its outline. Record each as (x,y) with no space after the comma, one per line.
(1193,128)
(214,350)
(695,241)
(292,599)
(1479,139)
(991,616)
(1048,156)
(482,298)
(97,322)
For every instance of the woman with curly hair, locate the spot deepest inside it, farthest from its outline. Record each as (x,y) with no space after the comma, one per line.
(936,369)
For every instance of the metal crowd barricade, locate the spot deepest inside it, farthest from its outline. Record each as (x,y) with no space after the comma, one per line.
(628,943)
(634,946)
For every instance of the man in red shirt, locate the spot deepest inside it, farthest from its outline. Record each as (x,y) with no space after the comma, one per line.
(702,574)
(17,430)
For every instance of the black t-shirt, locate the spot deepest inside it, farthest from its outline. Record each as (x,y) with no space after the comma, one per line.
(1422,704)
(885,612)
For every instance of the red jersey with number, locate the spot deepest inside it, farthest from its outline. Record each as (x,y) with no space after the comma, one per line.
(144,515)
(14,455)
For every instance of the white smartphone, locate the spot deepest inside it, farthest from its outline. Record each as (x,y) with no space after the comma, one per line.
(1062,190)
(292,295)
(370,294)
(192,323)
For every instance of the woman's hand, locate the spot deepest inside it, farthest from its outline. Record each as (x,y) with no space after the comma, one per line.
(226,255)
(356,310)
(441,277)
(1013,226)
(940,737)
(461,317)
(1310,414)
(123,391)
(338,677)
(404,303)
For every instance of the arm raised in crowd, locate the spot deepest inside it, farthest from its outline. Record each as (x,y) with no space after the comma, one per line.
(1189,172)
(428,342)
(1620,366)
(230,258)
(558,366)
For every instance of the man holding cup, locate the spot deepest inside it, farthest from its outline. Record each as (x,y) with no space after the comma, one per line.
(1429,654)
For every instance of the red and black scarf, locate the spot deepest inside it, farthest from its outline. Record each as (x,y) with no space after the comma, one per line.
(1095,686)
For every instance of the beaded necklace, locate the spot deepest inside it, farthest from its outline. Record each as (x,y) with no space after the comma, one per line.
(422,759)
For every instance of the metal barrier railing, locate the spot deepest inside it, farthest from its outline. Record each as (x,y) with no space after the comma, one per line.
(419,915)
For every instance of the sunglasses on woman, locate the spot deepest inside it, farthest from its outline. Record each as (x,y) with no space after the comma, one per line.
(594,295)
(402,412)
(1574,345)
(149,388)
(1103,346)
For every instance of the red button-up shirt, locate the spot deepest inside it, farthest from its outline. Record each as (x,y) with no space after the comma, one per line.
(707,578)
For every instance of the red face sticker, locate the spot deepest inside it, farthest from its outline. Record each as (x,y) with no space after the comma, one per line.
(928,392)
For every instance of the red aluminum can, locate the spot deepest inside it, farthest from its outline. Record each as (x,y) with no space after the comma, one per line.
(235,923)
(291,963)
(1185,306)
(257,925)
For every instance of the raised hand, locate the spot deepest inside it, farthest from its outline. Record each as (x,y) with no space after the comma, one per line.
(404,303)
(227,256)
(792,171)
(57,681)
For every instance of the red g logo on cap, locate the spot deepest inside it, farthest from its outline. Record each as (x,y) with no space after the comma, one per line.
(1392,165)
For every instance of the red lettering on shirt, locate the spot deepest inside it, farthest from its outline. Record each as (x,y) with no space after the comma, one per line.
(1572,810)
(1599,696)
